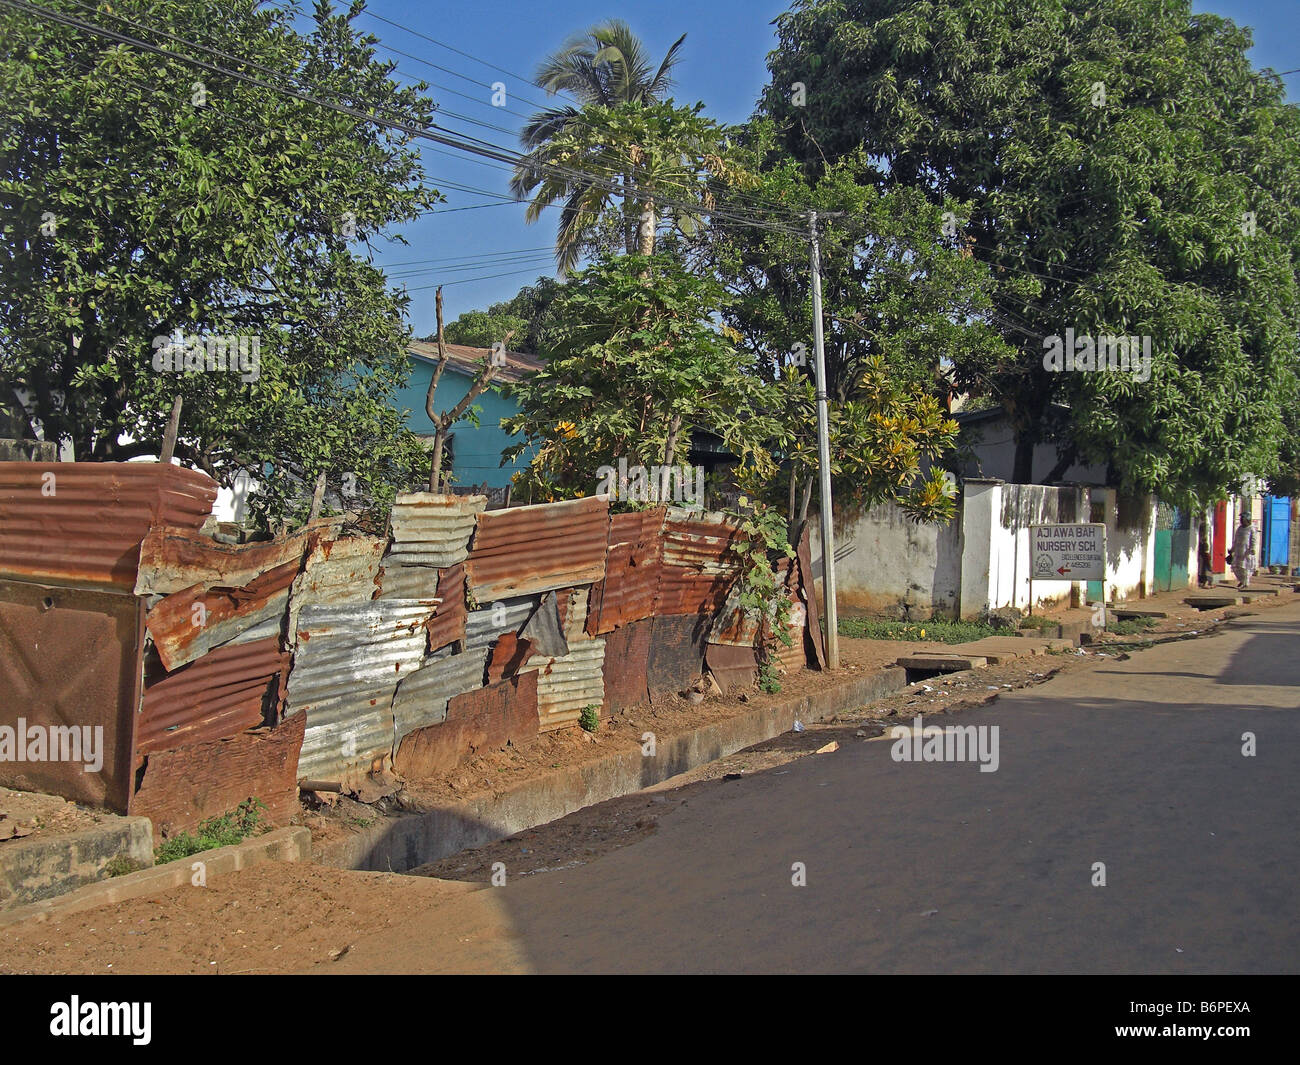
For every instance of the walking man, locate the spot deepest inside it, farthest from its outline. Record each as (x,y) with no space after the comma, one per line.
(1243,551)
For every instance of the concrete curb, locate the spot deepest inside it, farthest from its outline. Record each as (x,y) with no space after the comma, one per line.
(49,866)
(281,844)
(407,842)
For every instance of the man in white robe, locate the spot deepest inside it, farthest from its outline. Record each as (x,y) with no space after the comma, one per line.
(1243,551)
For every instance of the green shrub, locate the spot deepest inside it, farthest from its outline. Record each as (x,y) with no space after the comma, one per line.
(222,831)
(768,679)
(1129,626)
(589,719)
(1033,622)
(121,864)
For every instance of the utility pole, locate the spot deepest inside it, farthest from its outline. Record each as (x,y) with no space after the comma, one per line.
(824,457)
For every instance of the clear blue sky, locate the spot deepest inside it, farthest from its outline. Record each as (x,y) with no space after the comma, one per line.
(723,65)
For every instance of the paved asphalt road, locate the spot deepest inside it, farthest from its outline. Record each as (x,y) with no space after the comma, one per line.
(938,867)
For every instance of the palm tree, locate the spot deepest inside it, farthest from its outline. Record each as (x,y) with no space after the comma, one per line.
(606,67)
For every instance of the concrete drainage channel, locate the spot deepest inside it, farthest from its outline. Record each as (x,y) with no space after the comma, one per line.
(405,843)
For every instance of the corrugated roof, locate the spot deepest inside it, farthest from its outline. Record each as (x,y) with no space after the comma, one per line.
(469,360)
(541,548)
(81,523)
(633,564)
(430,529)
(566,685)
(188,624)
(422,696)
(223,693)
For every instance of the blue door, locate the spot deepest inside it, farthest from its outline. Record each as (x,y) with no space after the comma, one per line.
(1277,530)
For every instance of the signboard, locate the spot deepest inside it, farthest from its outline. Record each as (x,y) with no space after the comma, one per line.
(1067,552)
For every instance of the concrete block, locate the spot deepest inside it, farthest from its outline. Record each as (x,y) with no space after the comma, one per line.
(943,663)
(45,866)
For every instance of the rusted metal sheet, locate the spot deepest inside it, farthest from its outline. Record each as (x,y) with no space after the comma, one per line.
(186,625)
(431,529)
(704,546)
(484,626)
(345,672)
(448,623)
(81,523)
(69,658)
(477,722)
(172,560)
(683,591)
(227,691)
(677,645)
(566,685)
(183,787)
(545,629)
(736,625)
(813,634)
(511,654)
(633,564)
(528,550)
(573,604)
(627,662)
(734,668)
(422,696)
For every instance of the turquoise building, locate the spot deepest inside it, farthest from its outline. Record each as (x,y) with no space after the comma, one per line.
(473,454)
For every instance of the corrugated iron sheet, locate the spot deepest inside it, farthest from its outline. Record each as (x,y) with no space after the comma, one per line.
(432,529)
(172,560)
(566,685)
(677,647)
(482,627)
(574,604)
(81,523)
(185,786)
(627,663)
(422,696)
(225,692)
(182,633)
(407,582)
(813,635)
(633,565)
(337,571)
(702,545)
(535,549)
(735,625)
(511,654)
(346,668)
(734,668)
(448,623)
(478,721)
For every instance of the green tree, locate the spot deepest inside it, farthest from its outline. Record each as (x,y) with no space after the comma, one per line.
(526,313)
(482,329)
(607,67)
(142,196)
(1123,159)
(638,362)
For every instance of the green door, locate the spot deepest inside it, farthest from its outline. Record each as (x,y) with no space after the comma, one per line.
(1164,560)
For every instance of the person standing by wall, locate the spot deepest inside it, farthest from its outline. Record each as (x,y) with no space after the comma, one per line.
(1243,550)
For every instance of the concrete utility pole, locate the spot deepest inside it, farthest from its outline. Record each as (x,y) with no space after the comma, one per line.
(824,458)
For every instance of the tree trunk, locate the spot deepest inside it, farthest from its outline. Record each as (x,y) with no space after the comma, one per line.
(647,231)
(1022,471)
(435,469)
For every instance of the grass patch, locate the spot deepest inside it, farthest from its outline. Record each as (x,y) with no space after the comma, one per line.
(1129,626)
(223,831)
(938,631)
(1033,622)
(121,864)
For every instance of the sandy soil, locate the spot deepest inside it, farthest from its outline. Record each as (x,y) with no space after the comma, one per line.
(25,814)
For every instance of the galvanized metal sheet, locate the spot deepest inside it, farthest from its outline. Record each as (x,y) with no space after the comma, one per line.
(407,582)
(227,691)
(482,627)
(633,564)
(186,625)
(574,604)
(627,661)
(69,658)
(81,523)
(431,529)
(337,571)
(566,685)
(422,696)
(172,560)
(544,630)
(736,625)
(348,662)
(528,550)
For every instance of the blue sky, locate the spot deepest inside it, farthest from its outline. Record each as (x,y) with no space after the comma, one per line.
(723,64)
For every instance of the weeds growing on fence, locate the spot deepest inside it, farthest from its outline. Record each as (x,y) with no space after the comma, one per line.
(223,831)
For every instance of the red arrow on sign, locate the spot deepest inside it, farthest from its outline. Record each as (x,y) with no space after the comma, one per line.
(1062,570)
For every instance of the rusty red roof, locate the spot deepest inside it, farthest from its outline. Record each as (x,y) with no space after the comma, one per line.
(469,360)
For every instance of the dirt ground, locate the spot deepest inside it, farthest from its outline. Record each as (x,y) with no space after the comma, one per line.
(26,814)
(285,918)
